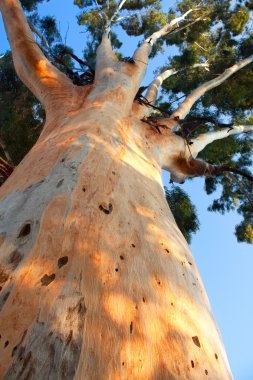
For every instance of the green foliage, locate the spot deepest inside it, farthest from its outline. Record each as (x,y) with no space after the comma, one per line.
(31,5)
(183,211)
(223,38)
(21,114)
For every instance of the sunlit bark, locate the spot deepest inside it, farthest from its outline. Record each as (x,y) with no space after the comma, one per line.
(96,280)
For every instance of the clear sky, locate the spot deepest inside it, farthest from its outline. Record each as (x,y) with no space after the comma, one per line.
(225,265)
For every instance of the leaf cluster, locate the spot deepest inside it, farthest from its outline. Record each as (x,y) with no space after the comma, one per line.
(183,210)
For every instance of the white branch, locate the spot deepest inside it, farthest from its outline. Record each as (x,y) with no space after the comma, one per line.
(145,49)
(39,34)
(185,107)
(152,90)
(200,142)
(114,16)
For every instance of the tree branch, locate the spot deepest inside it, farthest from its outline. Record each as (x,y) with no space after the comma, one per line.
(45,81)
(105,54)
(151,94)
(143,52)
(200,142)
(152,91)
(186,106)
(114,16)
(192,167)
(219,170)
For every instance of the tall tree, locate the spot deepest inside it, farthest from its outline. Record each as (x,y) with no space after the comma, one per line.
(97,281)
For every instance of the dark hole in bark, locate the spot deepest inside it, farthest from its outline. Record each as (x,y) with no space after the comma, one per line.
(15,349)
(6,344)
(116,269)
(0,336)
(46,280)
(196,341)
(189,263)
(113,173)
(60,183)
(25,230)
(167,250)
(63,261)
(216,356)
(63,160)
(123,363)
(15,258)
(82,309)
(121,257)
(6,296)
(192,363)
(131,327)
(172,304)
(51,333)
(69,338)
(106,210)
(206,371)
(26,361)
(194,284)
(21,352)
(1,288)
(3,275)
(143,299)
(84,189)
(133,245)
(159,282)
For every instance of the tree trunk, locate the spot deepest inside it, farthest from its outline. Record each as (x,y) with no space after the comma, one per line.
(97,282)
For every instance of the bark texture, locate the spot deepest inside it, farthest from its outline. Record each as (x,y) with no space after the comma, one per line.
(96,280)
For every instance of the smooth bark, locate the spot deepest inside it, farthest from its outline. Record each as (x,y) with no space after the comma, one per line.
(97,281)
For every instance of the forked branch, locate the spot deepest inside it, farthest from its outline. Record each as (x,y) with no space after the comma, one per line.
(186,106)
(145,49)
(152,91)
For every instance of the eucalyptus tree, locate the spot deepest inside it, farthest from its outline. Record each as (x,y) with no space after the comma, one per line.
(97,281)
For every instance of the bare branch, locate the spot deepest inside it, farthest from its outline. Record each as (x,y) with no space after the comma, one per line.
(152,91)
(114,16)
(219,170)
(143,52)
(105,46)
(200,142)
(46,82)
(186,106)
(179,29)
(39,34)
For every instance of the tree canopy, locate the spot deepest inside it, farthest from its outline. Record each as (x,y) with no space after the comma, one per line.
(212,38)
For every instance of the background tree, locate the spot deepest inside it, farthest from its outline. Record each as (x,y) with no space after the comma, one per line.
(156,123)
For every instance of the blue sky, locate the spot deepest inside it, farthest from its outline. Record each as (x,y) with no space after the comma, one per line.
(225,265)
